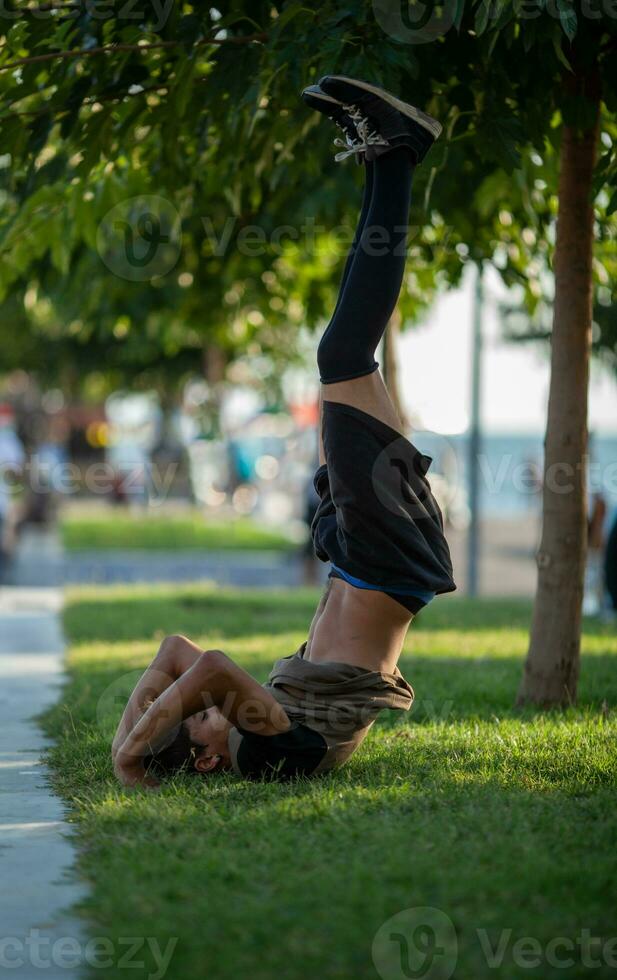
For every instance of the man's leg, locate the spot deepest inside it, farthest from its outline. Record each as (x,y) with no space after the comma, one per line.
(371,287)
(366,204)
(369,394)
(367,197)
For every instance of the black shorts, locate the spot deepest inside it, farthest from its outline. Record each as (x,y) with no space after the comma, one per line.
(378,521)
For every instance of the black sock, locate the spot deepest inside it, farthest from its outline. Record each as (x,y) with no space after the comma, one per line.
(367,197)
(373,274)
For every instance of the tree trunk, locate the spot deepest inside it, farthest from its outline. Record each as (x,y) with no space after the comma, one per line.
(215,364)
(552,666)
(214,367)
(390,365)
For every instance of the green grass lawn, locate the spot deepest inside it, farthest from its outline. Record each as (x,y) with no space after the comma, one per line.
(503,821)
(119,529)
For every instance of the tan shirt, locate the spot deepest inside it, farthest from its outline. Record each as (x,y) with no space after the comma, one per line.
(338,700)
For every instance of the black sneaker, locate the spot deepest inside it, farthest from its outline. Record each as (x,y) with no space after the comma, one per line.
(317,99)
(382,121)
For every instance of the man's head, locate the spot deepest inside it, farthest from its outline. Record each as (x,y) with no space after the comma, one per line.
(200,746)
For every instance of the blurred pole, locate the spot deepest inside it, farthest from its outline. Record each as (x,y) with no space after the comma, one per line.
(475,441)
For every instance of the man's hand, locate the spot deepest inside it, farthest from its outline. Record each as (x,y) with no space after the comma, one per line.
(130,772)
(176,655)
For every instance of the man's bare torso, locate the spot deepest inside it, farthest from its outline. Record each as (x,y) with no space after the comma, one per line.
(358,626)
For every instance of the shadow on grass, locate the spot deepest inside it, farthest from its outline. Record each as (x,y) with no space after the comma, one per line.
(117,613)
(521,755)
(448,691)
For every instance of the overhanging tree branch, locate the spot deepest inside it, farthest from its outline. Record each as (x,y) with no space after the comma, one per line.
(112,48)
(108,97)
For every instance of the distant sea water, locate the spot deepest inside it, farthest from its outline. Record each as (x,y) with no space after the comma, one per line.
(510,467)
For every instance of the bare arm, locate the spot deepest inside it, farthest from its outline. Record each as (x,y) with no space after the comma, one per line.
(176,655)
(213,679)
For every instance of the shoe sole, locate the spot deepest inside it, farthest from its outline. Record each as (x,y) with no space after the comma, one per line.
(320,95)
(422,118)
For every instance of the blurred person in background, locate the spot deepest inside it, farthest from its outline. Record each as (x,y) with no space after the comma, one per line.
(610,562)
(310,561)
(12,459)
(47,465)
(135,421)
(593,601)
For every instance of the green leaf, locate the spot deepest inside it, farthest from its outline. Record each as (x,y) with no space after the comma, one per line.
(292,11)
(557,47)
(492,44)
(189,29)
(604,163)
(568,18)
(458,17)
(482,17)
(183,88)
(16,36)
(39,131)
(612,204)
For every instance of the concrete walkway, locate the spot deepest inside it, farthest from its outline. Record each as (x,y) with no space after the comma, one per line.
(42,562)
(37,938)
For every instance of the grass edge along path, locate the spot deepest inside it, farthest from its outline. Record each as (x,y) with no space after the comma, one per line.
(122,530)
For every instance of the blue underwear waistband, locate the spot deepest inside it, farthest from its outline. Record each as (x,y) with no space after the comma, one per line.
(422,594)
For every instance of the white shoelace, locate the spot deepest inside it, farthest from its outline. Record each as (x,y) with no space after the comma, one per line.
(367,137)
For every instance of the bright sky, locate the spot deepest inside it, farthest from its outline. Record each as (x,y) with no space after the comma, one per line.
(435,360)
